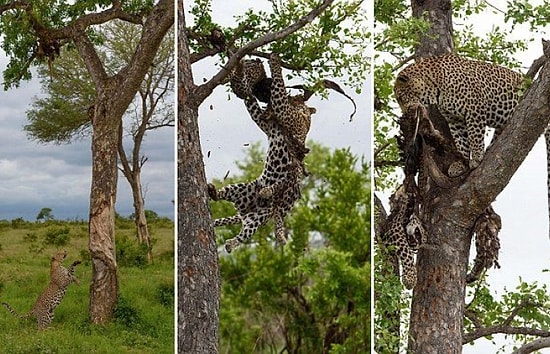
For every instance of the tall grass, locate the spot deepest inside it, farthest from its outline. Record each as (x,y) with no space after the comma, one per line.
(144,317)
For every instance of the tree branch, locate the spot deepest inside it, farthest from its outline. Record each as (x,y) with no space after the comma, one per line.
(505,327)
(532,346)
(488,331)
(204,90)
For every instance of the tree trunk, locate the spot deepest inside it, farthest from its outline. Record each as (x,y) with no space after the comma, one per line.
(438,298)
(140,219)
(198,272)
(104,286)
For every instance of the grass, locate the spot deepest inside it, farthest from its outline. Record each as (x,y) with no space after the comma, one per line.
(145,312)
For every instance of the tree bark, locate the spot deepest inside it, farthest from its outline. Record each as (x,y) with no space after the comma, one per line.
(436,322)
(198,271)
(104,286)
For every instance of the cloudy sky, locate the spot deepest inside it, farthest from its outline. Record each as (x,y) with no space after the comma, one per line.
(34,176)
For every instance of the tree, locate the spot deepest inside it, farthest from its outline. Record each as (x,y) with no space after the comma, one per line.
(45,214)
(36,32)
(312,295)
(63,117)
(438,304)
(257,34)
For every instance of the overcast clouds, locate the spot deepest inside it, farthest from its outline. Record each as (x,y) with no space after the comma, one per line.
(34,176)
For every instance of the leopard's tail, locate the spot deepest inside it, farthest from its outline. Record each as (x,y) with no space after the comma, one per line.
(13,312)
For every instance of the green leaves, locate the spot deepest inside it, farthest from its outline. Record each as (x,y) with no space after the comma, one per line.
(334,45)
(23,29)
(316,288)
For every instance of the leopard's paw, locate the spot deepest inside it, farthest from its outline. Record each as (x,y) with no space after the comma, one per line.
(231,244)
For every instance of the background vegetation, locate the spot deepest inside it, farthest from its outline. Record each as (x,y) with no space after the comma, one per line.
(144,316)
(313,294)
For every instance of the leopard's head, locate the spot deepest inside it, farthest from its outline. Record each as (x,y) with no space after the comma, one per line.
(412,89)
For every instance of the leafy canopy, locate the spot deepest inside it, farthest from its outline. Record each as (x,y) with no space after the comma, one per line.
(318,285)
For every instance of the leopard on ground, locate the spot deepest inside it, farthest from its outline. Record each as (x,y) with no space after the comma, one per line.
(285,121)
(470,94)
(60,279)
(404,233)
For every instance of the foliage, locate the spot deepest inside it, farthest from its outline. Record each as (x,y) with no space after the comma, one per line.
(342,31)
(528,306)
(165,294)
(19,38)
(312,293)
(45,214)
(129,253)
(57,236)
(62,116)
(391,307)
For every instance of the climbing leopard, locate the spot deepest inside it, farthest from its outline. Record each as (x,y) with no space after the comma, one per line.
(60,279)
(403,231)
(285,121)
(470,95)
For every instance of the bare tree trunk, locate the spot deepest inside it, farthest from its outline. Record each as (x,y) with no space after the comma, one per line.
(133,176)
(104,287)
(198,272)
(438,298)
(140,219)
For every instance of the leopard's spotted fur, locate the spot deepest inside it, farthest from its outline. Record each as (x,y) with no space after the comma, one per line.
(285,121)
(60,279)
(470,95)
(404,232)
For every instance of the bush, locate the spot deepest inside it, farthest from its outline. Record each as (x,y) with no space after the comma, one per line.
(57,236)
(30,237)
(125,314)
(129,253)
(165,294)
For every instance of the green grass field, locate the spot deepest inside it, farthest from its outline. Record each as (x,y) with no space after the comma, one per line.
(145,312)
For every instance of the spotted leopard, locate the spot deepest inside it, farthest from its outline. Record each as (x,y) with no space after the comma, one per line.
(60,279)
(470,95)
(403,231)
(285,121)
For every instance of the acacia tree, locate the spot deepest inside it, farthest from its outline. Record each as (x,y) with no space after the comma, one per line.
(450,214)
(63,115)
(34,32)
(257,34)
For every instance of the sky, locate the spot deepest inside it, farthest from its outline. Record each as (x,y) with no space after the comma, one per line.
(35,176)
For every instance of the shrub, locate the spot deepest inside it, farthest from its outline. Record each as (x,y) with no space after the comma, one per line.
(30,237)
(129,253)
(57,236)
(165,294)
(125,314)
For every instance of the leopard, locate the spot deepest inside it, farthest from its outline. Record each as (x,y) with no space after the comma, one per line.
(285,121)
(404,232)
(50,298)
(470,94)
